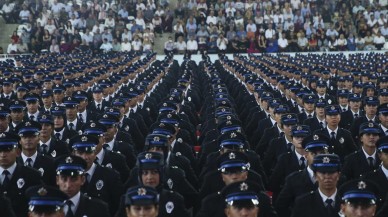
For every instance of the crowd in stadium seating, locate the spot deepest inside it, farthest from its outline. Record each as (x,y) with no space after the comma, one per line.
(220,25)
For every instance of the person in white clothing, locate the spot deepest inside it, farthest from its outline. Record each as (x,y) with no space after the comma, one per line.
(12,47)
(282,42)
(137,44)
(180,45)
(126,45)
(106,46)
(192,45)
(222,43)
(269,33)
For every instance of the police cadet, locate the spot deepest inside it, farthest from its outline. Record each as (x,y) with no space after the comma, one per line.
(16,108)
(152,172)
(32,101)
(98,104)
(353,112)
(302,181)
(70,178)
(58,94)
(281,144)
(242,199)
(233,167)
(29,141)
(83,113)
(382,111)
(359,197)
(4,119)
(45,201)
(100,182)
(341,143)
(308,107)
(47,99)
(365,159)
(291,161)
(142,201)
(104,157)
(61,132)
(380,175)
(318,120)
(370,115)
(49,145)
(15,178)
(72,121)
(325,200)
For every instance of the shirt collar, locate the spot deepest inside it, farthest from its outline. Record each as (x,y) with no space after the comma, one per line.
(385,171)
(75,200)
(10,169)
(91,170)
(33,157)
(47,143)
(330,131)
(324,197)
(101,155)
(367,155)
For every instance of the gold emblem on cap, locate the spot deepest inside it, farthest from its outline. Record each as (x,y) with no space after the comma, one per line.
(84,139)
(42,191)
(243,186)
(326,160)
(141,191)
(69,160)
(148,156)
(223,110)
(156,139)
(361,185)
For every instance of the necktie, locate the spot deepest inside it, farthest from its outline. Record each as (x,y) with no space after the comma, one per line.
(355,116)
(87,177)
(31,117)
(96,161)
(81,118)
(131,112)
(332,135)
(98,106)
(289,146)
(309,116)
(69,213)
(343,110)
(28,162)
(329,206)
(302,163)
(43,148)
(71,125)
(58,136)
(321,124)
(371,162)
(106,146)
(140,106)
(6,179)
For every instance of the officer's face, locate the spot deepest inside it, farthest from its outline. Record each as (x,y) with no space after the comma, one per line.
(47,101)
(343,101)
(70,185)
(370,110)
(355,105)
(59,213)
(89,157)
(311,154)
(46,130)
(297,141)
(321,90)
(97,97)
(32,107)
(333,120)
(383,99)
(384,158)
(370,92)
(383,119)
(369,140)
(8,157)
(354,210)
(287,129)
(17,115)
(29,142)
(309,107)
(71,113)
(58,96)
(320,111)
(3,123)
(232,211)
(327,180)
(142,211)
(110,133)
(236,176)
(82,105)
(58,122)
(20,94)
(150,178)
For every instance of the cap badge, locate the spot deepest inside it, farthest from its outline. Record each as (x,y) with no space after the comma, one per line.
(361,185)
(84,139)
(233,135)
(341,140)
(69,160)
(93,124)
(299,128)
(243,186)
(2,135)
(141,191)
(289,116)
(232,156)
(326,160)
(20,183)
(44,116)
(105,116)
(28,124)
(332,108)
(148,156)
(16,102)
(156,139)
(169,115)
(228,117)
(56,108)
(111,110)
(42,192)
(370,124)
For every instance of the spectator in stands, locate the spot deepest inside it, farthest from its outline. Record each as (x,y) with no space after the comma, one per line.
(269,33)
(22,47)
(378,40)
(107,35)
(192,45)
(126,35)
(46,39)
(110,22)
(360,43)
(179,29)
(54,47)
(50,26)
(116,46)
(369,41)
(126,45)
(169,46)
(8,12)
(157,22)
(180,45)
(222,43)
(137,44)
(106,46)
(147,46)
(341,43)
(12,47)
(302,41)
(35,46)
(24,14)
(351,42)
(168,20)
(283,43)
